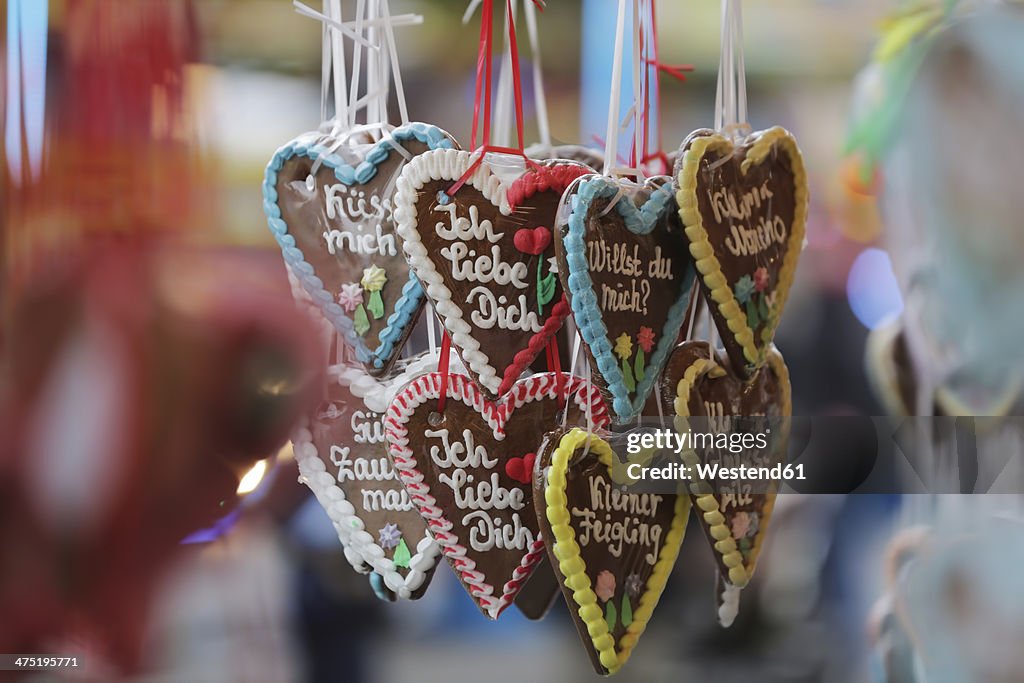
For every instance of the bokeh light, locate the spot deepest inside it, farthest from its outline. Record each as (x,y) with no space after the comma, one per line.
(871,288)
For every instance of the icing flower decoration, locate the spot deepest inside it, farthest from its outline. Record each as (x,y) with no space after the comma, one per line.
(645,339)
(624,349)
(755,524)
(740,525)
(402,557)
(744,289)
(351,296)
(605,586)
(761,279)
(634,585)
(374,279)
(390,535)
(624,346)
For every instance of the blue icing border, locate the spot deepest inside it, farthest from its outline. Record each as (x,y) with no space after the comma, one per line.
(412,292)
(585,309)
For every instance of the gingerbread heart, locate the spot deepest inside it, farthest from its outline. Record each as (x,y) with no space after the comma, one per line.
(744,207)
(342,457)
(612,549)
(623,261)
(330,209)
(702,385)
(453,463)
(890,370)
(537,596)
(585,155)
(485,256)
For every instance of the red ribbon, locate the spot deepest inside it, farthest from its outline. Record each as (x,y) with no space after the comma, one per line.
(442,367)
(677,71)
(555,366)
(483,92)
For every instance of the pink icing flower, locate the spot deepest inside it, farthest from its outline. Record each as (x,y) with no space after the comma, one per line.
(645,339)
(740,525)
(605,588)
(761,279)
(351,296)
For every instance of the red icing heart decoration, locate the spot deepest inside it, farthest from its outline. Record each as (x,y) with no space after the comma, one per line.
(532,241)
(520,468)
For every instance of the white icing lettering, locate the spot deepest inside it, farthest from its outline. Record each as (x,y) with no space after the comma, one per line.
(481,495)
(462,228)
(392,500)
(465,454)
(467,265)
(494,311)
(631,531)
(367,427)
(488,533)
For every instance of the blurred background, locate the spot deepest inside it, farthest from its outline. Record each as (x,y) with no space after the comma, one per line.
(274,599)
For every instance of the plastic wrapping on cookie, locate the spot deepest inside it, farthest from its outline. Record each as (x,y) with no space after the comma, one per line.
(495,414)
(587,312)
(573,569)
(705,498)
(361,549)
(451,165)
(311,146)
(758,148)
(378,392)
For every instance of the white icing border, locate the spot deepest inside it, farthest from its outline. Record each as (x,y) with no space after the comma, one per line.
(496,414)
(361,550)
(378,392)
(728,604)
(446,164)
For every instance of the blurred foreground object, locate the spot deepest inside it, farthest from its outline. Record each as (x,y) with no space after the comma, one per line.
(934,119)
(136,392)
(140,379)
(101,132)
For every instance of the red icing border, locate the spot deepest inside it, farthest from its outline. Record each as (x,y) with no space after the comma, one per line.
(496,413)
(555,177)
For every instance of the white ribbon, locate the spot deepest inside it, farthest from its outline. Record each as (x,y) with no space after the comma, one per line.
(612,135)
(637,101)
(372,29)
(731,94)
(357,59)
(634,113)
(501,128)
(540,101)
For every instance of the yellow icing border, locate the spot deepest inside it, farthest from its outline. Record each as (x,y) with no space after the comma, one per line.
(704,254)
(725,545)
(574,569)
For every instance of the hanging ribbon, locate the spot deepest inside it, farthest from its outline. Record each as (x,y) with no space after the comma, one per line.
(635,112)
(731,95)
(483,94)
(540,101)
(376,19)
(612,134)
(501,126)
(442,367)
(677,71)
